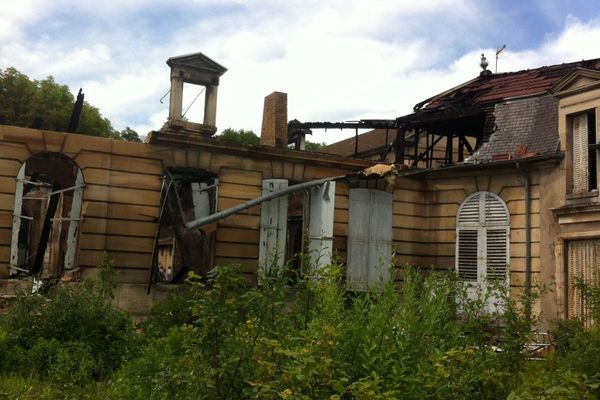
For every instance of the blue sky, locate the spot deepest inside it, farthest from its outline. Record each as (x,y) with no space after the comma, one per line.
(336,59)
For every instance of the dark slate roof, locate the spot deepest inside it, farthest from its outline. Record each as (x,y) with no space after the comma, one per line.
(532,122)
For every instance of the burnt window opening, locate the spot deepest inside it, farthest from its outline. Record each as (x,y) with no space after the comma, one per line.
(296,229)
(46,217)
(296,232)
(188,194)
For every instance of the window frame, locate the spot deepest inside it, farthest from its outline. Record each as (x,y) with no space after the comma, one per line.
(589,188)
(482,226)
(69,264)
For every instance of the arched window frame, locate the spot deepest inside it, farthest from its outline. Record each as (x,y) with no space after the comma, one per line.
(74,218)
(482,215)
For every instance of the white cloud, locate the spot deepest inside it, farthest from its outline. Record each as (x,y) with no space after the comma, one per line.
(336,59)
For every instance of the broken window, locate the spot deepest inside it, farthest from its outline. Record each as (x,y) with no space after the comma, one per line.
(188,194)
(583,269)
(46,216)
(287,221)
(369,238)
(584,161)
(482,245)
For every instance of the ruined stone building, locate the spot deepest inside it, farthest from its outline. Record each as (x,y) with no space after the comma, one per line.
(495,179)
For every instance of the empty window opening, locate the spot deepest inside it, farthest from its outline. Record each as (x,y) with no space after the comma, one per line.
(188,194)
(193,102)
(46,216)
(296,232)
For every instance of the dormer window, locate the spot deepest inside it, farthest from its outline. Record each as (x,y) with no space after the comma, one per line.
(584,163)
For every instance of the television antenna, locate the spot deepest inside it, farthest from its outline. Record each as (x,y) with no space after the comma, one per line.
(498,51)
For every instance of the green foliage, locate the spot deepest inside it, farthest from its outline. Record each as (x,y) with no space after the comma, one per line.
(171,312)
(241,136)
(313,146)
(319,341)
(22,100)
(249,138)
(71,335)
(219,338)
(130,135)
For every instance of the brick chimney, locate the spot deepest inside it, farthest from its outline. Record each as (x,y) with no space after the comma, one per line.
(274,123)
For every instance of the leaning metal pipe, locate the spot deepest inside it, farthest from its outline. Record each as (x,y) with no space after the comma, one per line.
(240,207)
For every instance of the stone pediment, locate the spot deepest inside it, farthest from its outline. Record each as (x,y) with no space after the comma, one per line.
(197,61)
(580,80)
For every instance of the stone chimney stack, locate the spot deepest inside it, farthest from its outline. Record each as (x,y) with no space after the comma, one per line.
(274,124)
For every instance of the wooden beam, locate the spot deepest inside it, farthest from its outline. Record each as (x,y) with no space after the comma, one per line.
(399,145)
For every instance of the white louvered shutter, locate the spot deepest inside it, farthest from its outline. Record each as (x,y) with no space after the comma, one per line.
(468,239)
(273,226)
(482,246)
(580,153)
(467,254)
(497,237)
(369,238)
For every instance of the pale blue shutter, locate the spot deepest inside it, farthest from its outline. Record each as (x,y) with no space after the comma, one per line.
(369,238)
(320,232)
(273,226)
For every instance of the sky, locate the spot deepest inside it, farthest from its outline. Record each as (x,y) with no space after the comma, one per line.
(338,60)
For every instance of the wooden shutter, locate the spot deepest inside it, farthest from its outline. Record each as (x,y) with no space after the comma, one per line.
(74,218)
(469,211)
(483,227)
(273,226)
(496,253)
(580,153)
(467,255)
(200,199)
(369,238)
(496,248)
(320,232)
(14,247)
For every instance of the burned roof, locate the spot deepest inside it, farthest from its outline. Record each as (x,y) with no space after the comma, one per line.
(493,88)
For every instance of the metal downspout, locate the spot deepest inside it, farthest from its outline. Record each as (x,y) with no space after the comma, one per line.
(527,238)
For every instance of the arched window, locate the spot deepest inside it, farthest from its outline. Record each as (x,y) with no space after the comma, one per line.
(482,240)
(47,211)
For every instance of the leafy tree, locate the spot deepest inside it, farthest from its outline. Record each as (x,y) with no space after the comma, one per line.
(47,105)
(246,137)
(130,135)
(312,146)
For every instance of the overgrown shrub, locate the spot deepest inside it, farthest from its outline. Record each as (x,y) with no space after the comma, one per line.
(71,334)
(320,341)
(219,338)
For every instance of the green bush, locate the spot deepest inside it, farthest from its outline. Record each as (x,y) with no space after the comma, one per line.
(71,334)
(219,338)
(320,341)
